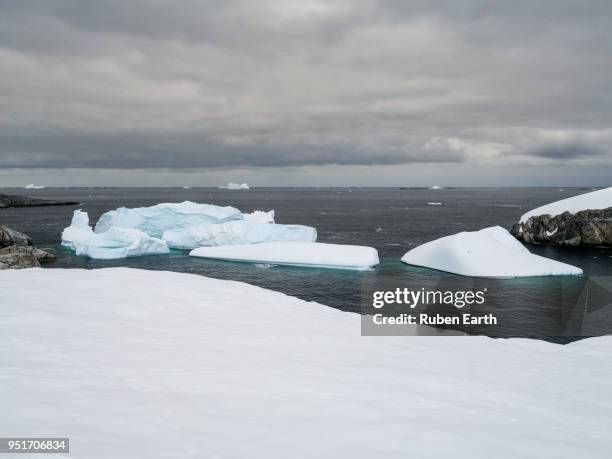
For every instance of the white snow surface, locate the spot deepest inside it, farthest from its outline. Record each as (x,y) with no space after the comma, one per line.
(490,252)
(148,364)
(600,199)
(114,243)
(260,216)
(236,232)
(156,219)
(311,254)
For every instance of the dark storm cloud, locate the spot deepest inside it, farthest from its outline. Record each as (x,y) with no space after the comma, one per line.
(569,151)
(190,83)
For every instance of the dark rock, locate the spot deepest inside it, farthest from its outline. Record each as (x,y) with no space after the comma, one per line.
(18,260)
(588,227)
(16,251)
(41,255)
(11,237)
(21,201)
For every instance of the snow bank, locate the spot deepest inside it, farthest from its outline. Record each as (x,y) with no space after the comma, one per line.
(156,219)
(236,232)
(600,199)
(131,363)
(113,243)
(259,216)
(491,252)
(311,254)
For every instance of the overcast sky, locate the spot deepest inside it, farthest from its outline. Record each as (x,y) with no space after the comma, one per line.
(305,92)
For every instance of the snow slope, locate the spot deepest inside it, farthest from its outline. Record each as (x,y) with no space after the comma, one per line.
(600,199)
(156,219)
(310,254)
(236,232)
(179,365)
(490,252)
(110,244)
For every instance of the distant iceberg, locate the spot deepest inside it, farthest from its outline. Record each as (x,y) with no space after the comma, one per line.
(113,243)
(31,186)
(235,233)
(236,186)
(156,219)
(595,200)
(436,187)
(309,254)
(491,252)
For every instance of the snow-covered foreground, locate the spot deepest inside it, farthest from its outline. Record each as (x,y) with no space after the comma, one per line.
(600,199)
(145,364)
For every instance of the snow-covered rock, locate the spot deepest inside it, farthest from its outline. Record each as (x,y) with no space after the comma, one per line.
(156,219)
(153,364)
(236,232)
(585,219)
(260,216)
(236,186)
(491,252)
(600,199)
(116,242)
(309,254)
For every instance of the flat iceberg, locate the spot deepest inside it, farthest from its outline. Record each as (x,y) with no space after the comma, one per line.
(490,252)
(114,243)
(309,254)
(156,219)
(260,216)
(236,232)
(595,200)
(31,186)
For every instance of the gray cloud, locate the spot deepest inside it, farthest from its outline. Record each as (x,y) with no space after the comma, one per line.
(567,151)
(277,83)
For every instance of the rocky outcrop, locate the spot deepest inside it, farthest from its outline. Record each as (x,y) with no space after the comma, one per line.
(587,227)
(11,237)
(21,201)
(16,251)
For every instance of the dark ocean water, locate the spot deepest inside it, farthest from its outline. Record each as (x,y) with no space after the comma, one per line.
(392,220)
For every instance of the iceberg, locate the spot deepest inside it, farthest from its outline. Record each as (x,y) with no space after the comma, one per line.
(309,254)
(236,232)
(490,252)
(114,243)
(259,216)
(436,187)
(595,200)
(156,219)
(236,186)
(31,186)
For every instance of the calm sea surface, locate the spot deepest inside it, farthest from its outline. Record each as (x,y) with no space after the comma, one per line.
(392,220)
